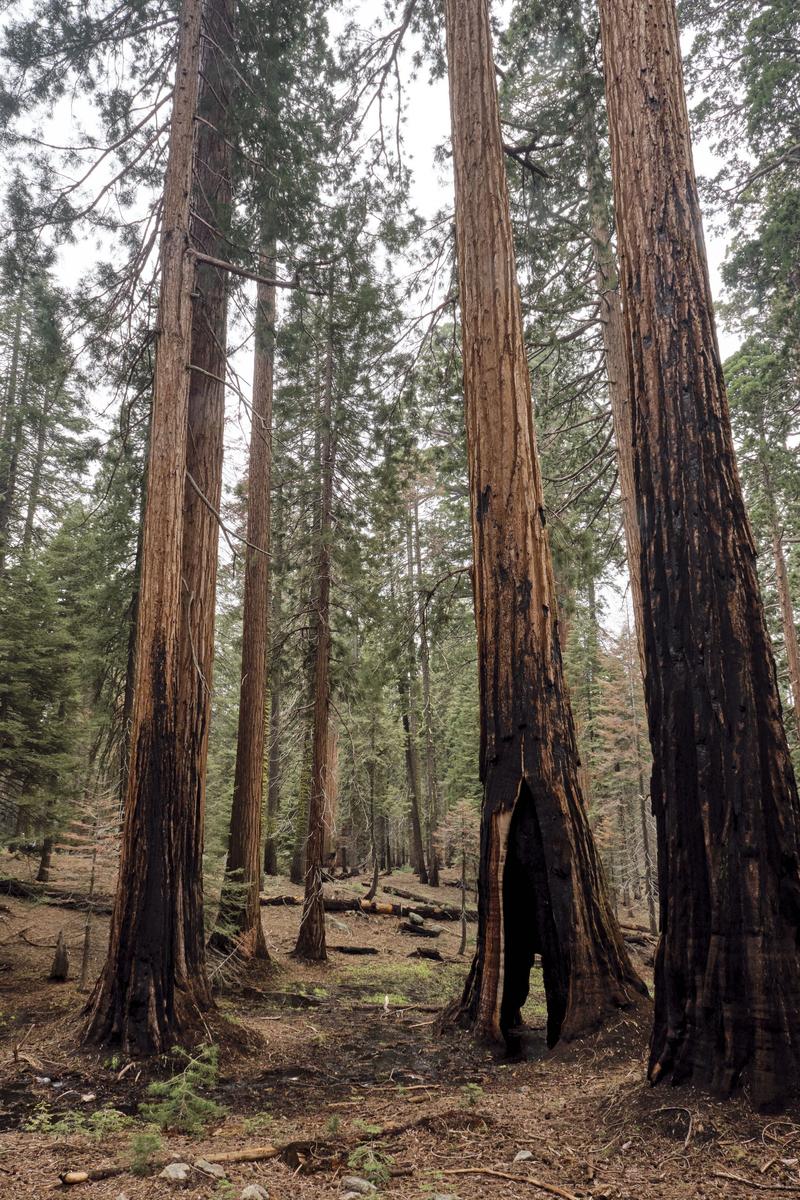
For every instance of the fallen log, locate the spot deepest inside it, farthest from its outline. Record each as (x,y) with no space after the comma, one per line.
(354,949)
(447,912)
(58,897)
(419,930)
(384,908)
(293,1153)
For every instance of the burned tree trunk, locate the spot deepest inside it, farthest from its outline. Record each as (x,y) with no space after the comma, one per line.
(46,860)
(723,788)
(240,910)
(145,996)
(541,888)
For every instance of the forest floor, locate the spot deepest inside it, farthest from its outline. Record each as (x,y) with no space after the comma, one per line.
(344,1059)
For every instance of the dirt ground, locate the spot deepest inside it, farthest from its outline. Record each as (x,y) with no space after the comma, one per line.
(345,1058)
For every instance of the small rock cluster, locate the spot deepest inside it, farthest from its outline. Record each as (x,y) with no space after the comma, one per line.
(180,1173)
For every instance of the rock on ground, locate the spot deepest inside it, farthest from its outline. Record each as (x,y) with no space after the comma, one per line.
(177,1172)
(352,1183)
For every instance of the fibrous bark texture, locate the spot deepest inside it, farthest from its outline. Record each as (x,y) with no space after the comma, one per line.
(541,888)
(143,998)
(240,909)
(211,200)
(724,793)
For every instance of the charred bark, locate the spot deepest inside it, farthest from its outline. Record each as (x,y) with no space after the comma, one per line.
(723,788)
(540,885)
(145,997)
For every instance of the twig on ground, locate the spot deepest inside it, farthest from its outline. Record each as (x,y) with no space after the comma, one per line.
(544,1187)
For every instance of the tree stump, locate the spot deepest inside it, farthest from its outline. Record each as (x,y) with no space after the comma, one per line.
(59,971)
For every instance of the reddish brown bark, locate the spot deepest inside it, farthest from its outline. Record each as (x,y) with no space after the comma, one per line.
(541,888)
(723,787)
(144,996)
(211,201)
(240,910)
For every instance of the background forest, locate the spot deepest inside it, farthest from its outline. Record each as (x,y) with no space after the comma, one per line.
(370,518)
(322,177)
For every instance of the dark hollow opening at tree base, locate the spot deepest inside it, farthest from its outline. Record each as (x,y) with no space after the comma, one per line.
(529,929)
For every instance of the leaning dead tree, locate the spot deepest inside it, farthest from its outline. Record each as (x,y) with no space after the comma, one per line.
(541,889)
(724,794)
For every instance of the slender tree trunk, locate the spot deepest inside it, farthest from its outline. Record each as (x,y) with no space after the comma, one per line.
(145,1000)
(46,860)
(240,907)
(311,938)
(723,787)
(614,341)
(541,887)
(784,591)
(36,472)
(11,429)
(427,716)
(373,844)
(16,436)
(410,725)
(297,869)
(276,690)
(642,789)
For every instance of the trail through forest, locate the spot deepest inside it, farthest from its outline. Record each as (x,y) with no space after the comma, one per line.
(343,1063)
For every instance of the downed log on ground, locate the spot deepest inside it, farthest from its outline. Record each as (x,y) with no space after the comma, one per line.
(354,949)
(448,912)
(423,931)
(296,1154)
(58,897)
(375,907)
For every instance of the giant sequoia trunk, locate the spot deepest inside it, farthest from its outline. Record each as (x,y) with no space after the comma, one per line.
(723,787)
(145,996)
(211,200)
(240,908)
(541,888)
